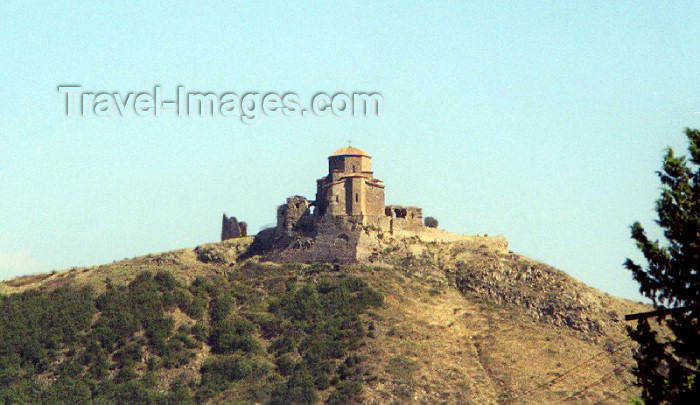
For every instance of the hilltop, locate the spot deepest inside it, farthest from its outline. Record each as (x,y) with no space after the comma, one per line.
(428,317)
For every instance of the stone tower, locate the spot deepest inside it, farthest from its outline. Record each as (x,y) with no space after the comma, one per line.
(350,189)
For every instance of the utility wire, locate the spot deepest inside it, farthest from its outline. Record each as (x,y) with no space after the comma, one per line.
(625,388)
(587,387)
(621,345)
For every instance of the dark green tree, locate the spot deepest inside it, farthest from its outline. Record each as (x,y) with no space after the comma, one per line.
(430,222)
(668,363)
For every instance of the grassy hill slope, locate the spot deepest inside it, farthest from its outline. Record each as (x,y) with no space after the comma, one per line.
(424,322)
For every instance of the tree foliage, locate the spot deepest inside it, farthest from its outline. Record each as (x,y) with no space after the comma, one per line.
(430,222)
(115,347)
(320,324)
(667,366)
(83,340)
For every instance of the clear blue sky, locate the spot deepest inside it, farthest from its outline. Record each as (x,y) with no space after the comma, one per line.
(543,122)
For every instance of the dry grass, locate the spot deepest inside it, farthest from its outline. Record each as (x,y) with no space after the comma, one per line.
(430,342)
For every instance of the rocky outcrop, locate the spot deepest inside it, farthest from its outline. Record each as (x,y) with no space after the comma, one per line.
(545,293)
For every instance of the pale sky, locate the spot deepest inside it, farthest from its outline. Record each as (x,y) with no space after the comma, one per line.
(541,121)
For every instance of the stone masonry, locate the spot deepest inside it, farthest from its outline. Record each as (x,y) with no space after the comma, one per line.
(231,228)
(349,202)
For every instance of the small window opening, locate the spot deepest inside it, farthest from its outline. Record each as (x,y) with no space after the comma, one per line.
(357,197)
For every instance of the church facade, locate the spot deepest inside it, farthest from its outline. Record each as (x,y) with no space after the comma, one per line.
(351,191)
(350,188)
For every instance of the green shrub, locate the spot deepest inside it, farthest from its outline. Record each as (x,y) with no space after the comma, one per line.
(302,304)
(68,390)
(125,374)
(218,372)
(285,364)
(343,371)
(25,392)
(345,392)
(220,305)
(160,328)
(128,354)
(35,324)
(188,341)
(165,281)
(299,390)
(321,322)
(149,379)
(10,371)
(283,344)
(180,393)
(131,392)
(231,335)
(175,354)
(200,331)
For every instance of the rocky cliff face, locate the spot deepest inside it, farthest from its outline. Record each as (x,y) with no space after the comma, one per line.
(543,292)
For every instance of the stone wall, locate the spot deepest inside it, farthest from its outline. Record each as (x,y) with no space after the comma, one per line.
(405,217)
(350,164)
(231,228)
(330,197)
(354,195)
(295,215)
(374,198)
(335,241)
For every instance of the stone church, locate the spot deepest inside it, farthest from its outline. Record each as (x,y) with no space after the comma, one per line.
(349,204)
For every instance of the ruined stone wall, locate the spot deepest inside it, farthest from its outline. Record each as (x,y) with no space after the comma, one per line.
(383,223)
(335,242)
(405,217)
(322,196)
(377,222)
(336,239)
(413,219)
(231,228)
(294,215)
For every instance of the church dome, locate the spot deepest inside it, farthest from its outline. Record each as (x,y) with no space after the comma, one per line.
(349,151)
